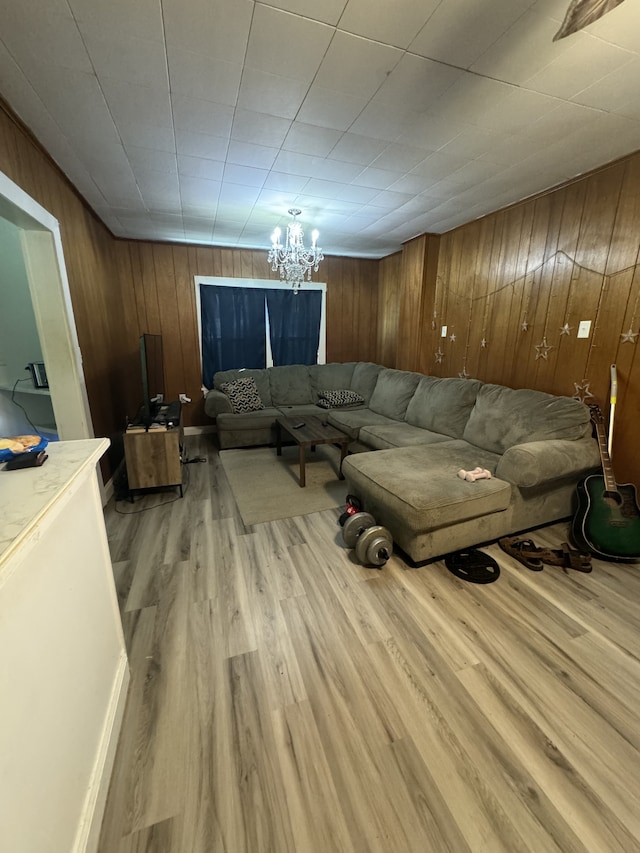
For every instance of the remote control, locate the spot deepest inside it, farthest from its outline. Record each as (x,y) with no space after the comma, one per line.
(26,460)
(297,426)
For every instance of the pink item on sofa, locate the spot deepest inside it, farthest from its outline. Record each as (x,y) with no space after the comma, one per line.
(477,474)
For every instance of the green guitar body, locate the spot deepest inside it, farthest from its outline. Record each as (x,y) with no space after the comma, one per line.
(607,524)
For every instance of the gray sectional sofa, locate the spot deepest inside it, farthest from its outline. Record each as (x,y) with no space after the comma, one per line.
(411,436)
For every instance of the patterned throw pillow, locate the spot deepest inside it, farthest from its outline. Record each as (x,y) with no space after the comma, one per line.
(339,399)
(243,395)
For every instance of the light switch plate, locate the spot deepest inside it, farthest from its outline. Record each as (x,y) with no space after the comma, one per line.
(584,329)
(443,333)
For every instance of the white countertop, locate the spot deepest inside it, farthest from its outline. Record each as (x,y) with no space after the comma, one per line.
(27,494)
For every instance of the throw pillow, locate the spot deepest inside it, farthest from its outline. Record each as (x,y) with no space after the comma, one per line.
(339,399)
(243,395)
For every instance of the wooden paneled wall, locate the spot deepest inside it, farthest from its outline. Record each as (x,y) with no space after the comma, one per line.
(120,289)
(158,295)
(389,280)
(520,280)
(513,287)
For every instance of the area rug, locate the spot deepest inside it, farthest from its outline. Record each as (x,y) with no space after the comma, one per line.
(266,486)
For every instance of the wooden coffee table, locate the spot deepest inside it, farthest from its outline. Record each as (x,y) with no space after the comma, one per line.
(311,433)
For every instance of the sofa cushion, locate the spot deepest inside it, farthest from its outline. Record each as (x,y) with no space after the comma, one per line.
(350,420)
(443,405)
(365,376)
(306,410)
(261,378)
(290,385)
(503,417)
(331,376)
(243,395)
(339,399)
(248,420)
(394,389)
(421,484)
(397,434)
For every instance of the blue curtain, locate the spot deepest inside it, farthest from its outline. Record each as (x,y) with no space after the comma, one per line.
(294,322)
(233,329)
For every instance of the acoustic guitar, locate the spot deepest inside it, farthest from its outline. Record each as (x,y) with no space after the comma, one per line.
(607,521)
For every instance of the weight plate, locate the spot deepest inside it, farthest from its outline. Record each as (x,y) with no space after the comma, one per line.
(473,566)
(355,526)
(374,546)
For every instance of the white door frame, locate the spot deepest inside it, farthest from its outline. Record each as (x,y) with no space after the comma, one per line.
(49,289)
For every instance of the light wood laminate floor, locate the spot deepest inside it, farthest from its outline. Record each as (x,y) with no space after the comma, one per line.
(284,698)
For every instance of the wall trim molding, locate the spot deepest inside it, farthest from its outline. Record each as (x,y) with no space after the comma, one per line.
(200,430)
(91,821)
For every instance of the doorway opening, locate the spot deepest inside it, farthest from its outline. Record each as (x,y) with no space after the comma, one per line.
(36,233)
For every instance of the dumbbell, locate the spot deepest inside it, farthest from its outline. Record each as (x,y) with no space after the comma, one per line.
(373,543)
(353,506)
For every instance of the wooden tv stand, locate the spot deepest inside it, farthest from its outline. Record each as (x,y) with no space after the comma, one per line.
(153,457)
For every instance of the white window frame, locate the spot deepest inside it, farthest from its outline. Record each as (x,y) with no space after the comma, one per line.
(264,284)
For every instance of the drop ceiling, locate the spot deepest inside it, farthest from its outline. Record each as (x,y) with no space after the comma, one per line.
(205,120)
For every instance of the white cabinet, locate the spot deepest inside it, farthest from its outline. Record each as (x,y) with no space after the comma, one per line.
(63,665)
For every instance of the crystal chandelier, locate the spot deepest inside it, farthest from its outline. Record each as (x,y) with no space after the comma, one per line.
(292,259)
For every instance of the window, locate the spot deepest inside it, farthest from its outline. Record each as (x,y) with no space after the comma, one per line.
(258,323)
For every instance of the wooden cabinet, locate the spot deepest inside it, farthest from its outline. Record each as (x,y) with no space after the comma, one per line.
(154,458)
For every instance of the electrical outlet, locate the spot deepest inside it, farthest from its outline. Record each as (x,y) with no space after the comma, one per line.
(443,333)
(584,329)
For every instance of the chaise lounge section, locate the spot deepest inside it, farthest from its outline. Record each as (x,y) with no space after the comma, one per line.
(535,445)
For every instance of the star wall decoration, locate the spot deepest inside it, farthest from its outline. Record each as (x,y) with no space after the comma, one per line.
(524,325)
(483,343)
(566,329)
(439,356)
(463,374)
(629,337)
(582,391)
(452,338)
(542,349)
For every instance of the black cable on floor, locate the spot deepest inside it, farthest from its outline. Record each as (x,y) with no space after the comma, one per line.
(185,486)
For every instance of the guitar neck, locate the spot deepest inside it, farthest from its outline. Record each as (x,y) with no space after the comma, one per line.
(605,459)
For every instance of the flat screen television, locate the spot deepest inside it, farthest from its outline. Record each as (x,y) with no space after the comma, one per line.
(152,366)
